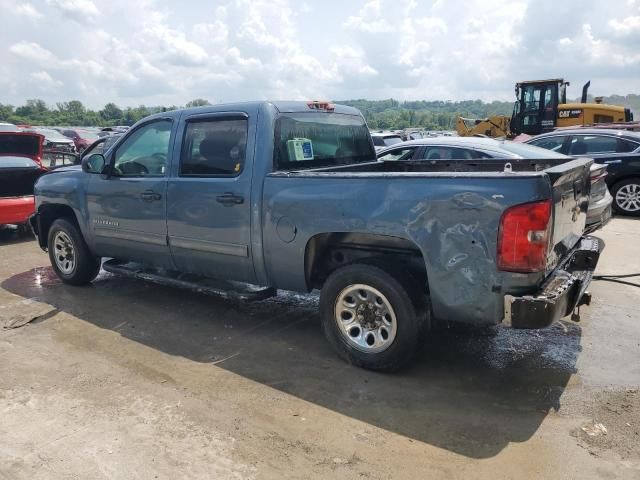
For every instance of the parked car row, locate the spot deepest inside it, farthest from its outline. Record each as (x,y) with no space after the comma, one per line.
(442,149)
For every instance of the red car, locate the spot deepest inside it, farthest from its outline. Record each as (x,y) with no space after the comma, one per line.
(81,138)
(20,167)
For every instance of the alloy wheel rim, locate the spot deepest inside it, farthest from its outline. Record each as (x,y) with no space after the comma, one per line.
(365,318)
(628,197)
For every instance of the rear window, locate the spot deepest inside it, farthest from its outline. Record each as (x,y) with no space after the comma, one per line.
(308,140)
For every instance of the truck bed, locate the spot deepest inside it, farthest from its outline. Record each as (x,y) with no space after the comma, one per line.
(452,216)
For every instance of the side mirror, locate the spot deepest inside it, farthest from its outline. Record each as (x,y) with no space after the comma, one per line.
(93,163)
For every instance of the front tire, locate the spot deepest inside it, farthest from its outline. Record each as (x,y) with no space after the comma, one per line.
(370,318)
(70,257)
(626,197)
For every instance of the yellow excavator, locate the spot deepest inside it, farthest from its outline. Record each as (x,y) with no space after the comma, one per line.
(541,106)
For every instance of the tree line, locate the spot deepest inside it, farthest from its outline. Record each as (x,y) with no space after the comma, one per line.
(37,112)
(380,114)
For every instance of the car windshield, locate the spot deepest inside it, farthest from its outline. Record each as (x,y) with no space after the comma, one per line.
(529,151)
(308,140)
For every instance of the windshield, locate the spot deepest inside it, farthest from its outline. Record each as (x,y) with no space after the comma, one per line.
(308,140)
(529,151)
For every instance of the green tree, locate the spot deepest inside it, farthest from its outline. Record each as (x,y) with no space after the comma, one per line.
(198,102)
(111,113)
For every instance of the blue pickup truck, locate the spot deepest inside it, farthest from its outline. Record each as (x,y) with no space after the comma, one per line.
(289,195)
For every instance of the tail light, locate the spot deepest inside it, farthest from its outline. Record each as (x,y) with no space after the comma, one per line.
(524,236)
(598,175)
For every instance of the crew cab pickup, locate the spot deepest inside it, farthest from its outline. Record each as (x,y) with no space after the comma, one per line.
(289,195)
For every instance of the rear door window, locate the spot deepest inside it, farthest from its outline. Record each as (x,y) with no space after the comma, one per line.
(214,147)
(597,144)
(398,154)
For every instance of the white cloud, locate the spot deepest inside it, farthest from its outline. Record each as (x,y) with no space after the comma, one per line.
(43,81)
(164,52)
(81,11)
(33,52)
(626,26)
(26,10)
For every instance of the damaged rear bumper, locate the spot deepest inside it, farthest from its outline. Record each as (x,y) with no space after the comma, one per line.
(562,291)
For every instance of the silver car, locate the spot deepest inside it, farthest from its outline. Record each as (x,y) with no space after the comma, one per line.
(480,148)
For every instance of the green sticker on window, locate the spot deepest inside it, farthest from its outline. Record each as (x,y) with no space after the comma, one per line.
(300,149)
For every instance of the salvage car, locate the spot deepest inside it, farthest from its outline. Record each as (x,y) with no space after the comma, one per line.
(54,140)
(20,166)
(290,195)
(101,145)
(81,138)
(478,148)
(618,149)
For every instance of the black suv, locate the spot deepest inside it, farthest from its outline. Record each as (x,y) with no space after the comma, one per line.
(618,149)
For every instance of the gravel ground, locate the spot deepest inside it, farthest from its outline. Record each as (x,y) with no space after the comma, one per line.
(130,380)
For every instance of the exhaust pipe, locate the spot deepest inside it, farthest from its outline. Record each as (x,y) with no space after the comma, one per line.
(585,89)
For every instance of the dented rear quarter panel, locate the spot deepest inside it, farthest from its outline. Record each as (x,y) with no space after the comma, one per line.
(453,221)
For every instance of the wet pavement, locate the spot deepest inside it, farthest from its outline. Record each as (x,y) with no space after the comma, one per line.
(128,379)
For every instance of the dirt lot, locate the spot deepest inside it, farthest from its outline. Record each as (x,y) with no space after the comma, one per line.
(130,380)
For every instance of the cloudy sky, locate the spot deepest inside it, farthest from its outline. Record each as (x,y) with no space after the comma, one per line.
(167,52)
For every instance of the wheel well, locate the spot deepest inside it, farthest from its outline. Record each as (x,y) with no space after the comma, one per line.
(48,214)
(624,179)
(328,251)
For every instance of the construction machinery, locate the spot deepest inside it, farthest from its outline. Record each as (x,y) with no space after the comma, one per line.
(541,106)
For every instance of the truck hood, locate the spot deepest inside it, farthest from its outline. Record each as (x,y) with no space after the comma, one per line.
(21,144)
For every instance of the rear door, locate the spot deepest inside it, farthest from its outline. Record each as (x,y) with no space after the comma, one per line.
(615,152)
(209,197)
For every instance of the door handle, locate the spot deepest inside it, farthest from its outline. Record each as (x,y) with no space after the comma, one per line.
(228,199)
(150,196)
(617,160)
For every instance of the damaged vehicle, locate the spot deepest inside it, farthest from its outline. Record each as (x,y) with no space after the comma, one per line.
(290,195)
(20,167)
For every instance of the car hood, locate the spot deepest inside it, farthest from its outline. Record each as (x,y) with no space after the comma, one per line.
(26,144)
(69,168)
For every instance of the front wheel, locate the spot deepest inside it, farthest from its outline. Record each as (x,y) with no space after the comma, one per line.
(370,318)
(626,197)
(70,257)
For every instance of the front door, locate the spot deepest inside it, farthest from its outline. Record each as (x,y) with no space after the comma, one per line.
(209,198)
(127,208)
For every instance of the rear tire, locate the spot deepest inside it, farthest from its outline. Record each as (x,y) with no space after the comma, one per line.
(70,257)
(626,197)
(370,318)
